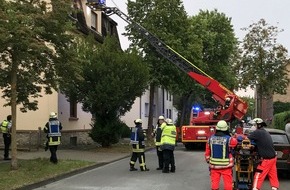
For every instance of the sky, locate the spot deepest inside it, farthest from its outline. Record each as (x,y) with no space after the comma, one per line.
(242,12)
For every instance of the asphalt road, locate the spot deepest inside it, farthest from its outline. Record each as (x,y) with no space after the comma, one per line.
(191,174)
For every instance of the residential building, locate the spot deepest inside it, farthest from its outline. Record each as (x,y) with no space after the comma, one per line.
(285,97)
(268,110)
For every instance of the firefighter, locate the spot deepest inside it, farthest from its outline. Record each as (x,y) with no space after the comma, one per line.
(138,146)
(266,151)
(157,134)
(53,134)
(6,130)
(168,140)
(227,103)
(219,157)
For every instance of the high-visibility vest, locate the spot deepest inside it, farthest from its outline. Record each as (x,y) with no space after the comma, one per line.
(168,136)
(4,126)
(220,153)
(53,132)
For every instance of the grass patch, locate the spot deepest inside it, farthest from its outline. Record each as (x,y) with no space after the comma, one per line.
(32,171)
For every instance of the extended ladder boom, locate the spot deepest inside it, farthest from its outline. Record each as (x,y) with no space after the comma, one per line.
(220,92)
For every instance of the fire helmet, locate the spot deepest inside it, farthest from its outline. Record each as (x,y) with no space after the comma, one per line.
(138,121)
(52,115)
(169,121)
(259,122)
(161,117)
(222,126)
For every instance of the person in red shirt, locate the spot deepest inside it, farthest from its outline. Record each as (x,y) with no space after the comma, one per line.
(219,157)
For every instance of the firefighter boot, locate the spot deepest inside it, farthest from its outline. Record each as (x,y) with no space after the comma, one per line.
(165,170)
(144,169)
(172,169)
(132,168)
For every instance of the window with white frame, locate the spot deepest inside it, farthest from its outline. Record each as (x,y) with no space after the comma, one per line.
(146,110)
(94,21)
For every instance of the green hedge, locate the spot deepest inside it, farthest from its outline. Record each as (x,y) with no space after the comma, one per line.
(280,120)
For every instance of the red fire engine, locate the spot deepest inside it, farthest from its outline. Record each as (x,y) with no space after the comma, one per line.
(202,123)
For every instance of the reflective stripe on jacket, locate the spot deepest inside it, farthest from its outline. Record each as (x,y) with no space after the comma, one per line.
(54,141)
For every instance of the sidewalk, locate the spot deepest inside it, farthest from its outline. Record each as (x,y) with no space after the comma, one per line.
(72,154)
(65,154)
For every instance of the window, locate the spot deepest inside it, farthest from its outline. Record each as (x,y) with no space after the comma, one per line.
(279,138)
(146,109)
(73,109)
(94,21)
(170,113)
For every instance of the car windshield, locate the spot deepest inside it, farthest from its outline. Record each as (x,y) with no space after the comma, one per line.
(279,139)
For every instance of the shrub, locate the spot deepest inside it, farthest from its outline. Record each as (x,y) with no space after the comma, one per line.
(280,107)
(106,133)
(125,130)
(280,120)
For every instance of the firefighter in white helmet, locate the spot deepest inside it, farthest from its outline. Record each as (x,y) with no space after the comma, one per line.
(157,134)
(53,133)
(267,153)
(168,140)
(227,103)
(138,146)
(218,156)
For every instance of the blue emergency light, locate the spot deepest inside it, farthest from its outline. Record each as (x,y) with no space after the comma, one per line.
(102,2)
(196,108)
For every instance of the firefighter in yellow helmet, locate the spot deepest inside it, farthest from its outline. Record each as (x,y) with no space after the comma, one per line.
(138,146)
(219,157)
(53,133)
(157,134)
(168,140)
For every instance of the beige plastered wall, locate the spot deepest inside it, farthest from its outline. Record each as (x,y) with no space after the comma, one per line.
(31,120)
(82,121)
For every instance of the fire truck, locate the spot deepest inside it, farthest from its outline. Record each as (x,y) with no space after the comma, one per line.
(202,122)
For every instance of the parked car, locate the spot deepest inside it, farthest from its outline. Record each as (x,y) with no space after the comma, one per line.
(282,146)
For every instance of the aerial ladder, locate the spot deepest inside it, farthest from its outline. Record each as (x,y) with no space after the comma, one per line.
(202,124)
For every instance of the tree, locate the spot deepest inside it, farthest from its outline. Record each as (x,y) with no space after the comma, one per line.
(219,44)
(34,44)
(108,84)
(263,62)
(168,21)
(213,37)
